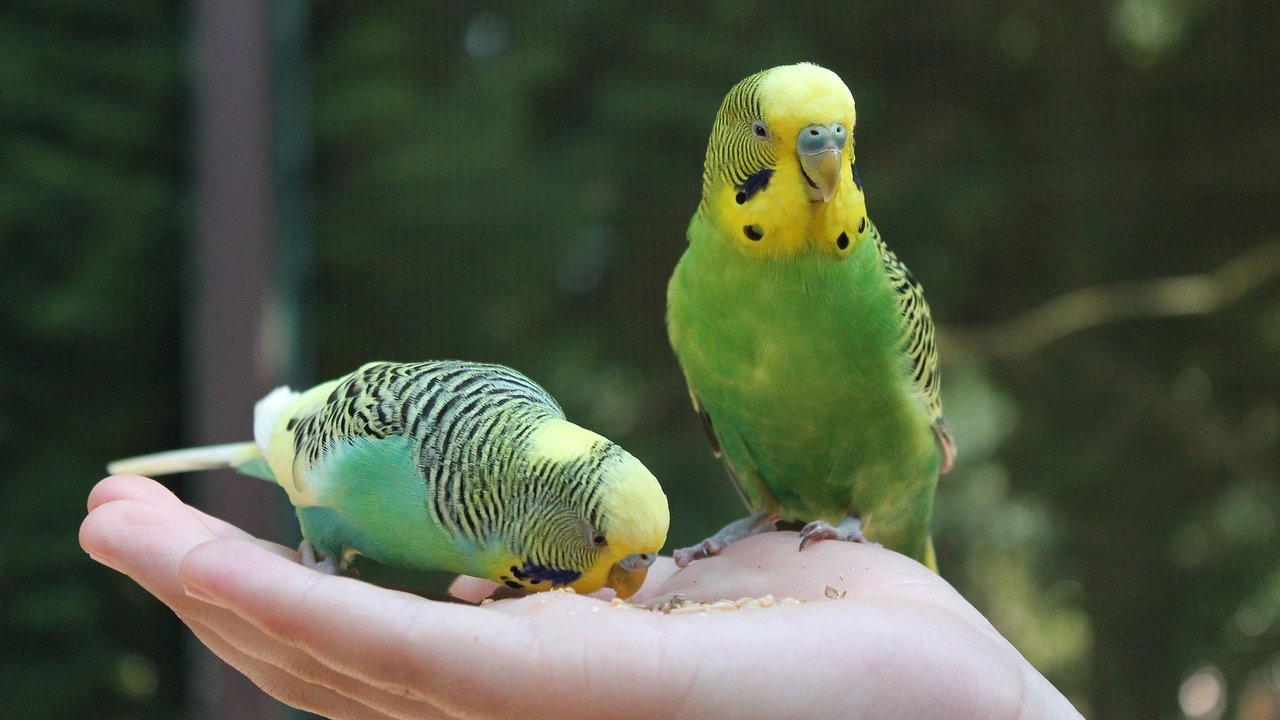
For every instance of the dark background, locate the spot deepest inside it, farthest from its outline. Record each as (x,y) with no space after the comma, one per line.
(1088,191)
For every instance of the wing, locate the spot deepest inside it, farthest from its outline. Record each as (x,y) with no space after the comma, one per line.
(447,417)
(384,399)
(919,346)
(360,405)
(717,449)
(328,420)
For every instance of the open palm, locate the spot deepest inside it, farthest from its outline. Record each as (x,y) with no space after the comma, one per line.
(877,635)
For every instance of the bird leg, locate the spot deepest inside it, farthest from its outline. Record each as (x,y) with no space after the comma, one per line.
(311,559)
(849,530)
(763,521)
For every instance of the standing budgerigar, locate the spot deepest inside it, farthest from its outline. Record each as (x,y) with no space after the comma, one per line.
(807,345)
(448,465)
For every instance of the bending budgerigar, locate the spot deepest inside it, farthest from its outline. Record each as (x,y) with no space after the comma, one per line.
(448,465)
(807,345)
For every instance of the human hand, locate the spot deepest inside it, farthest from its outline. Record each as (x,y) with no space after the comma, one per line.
(899,643)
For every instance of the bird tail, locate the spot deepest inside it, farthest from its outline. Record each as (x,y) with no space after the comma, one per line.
(237,456)
(249,458)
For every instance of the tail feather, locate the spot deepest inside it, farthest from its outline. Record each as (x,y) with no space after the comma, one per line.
(246,457)
(212,457)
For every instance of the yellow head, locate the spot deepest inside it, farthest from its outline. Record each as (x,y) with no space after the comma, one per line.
(601,519)
(779,177)
(634,520)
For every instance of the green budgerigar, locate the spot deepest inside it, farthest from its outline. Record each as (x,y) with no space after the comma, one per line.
(807,345)
(457,466)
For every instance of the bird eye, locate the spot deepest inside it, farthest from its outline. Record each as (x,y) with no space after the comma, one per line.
(598,539)
(758,127)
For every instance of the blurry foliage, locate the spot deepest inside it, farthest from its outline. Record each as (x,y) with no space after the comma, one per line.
(511,182)
(91,173)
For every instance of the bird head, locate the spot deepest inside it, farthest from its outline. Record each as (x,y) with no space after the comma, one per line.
(635,519)
(780,176)
(604,515)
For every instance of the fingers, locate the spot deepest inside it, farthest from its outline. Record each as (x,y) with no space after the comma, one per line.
(285,670)
(463,660)
(147,543)
(348,649)
(142,540)
(352,627)
(769,564)
(472,589)
(146,490)
(286,685)
(131,487)
(139,528)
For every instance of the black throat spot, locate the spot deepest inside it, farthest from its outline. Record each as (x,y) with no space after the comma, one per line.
(536,573)
(754,183)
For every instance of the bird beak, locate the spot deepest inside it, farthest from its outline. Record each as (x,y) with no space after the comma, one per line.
(629,573)
(820,148)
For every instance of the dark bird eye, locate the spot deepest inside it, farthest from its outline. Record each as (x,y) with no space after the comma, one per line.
(598,539)
(757,127)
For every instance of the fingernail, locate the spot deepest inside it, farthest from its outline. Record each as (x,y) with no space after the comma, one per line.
(198,593)
(103,560)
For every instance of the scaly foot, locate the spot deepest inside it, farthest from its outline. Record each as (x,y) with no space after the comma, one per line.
(762,521)
(311,559)
(849,530)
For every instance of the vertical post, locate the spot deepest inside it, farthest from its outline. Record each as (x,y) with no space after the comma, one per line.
(291,91)
(232,356)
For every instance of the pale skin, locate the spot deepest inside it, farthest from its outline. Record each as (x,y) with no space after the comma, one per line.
(899,643)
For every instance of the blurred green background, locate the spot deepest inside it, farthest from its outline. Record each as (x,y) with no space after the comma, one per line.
(510,182)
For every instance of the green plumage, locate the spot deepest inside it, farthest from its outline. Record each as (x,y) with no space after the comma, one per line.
(445,435)
(449,465)
(808,350)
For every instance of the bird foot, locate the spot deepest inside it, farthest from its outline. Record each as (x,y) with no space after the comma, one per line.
(849,530)
(704,549)
(729,534)
(312,559)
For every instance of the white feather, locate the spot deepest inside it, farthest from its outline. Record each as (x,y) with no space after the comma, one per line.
(267,411)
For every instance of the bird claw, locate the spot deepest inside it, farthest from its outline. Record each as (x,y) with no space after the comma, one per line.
(755,524)
(310,558)
(849,530)
(704,549)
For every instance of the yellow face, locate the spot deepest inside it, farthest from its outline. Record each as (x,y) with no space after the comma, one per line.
(779,178)
(635,526)
(602,521)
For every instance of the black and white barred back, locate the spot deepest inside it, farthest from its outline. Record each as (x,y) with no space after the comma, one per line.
(470,424)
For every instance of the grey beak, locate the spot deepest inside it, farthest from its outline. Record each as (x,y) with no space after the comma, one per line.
(819,148)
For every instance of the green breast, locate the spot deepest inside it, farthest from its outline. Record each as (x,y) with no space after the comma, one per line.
(800,365)
(374,500)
